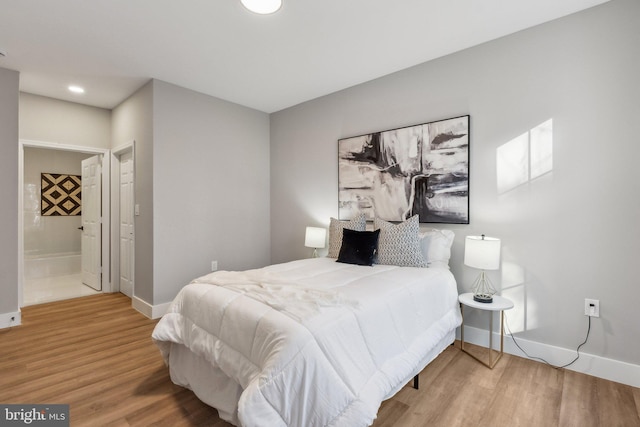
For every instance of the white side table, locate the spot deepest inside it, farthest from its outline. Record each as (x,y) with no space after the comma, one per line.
(499,304)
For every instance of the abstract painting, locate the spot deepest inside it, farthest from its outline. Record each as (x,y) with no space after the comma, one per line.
(61,194)
(395,174)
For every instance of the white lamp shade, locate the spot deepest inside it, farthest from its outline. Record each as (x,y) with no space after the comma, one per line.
(262,7)
(482,252)
(315,237)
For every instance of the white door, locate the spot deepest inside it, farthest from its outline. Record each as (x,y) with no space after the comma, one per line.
(91,222)
(126,224)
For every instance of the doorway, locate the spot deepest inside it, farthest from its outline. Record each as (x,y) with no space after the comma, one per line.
(60,236)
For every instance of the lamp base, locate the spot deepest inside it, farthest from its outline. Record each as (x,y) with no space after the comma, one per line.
(484,298)
(482,289)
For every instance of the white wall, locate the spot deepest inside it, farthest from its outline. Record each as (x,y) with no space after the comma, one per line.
(9,81)
(567,235)
(48,234)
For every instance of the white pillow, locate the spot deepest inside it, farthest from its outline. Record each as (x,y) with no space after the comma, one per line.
(359,223)
(436,247)
(399,244)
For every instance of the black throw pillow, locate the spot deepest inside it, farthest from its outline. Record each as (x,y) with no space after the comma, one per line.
(358,247)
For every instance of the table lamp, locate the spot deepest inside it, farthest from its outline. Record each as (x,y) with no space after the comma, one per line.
(315,237)
(483,253)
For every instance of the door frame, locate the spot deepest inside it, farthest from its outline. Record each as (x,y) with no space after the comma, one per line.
(115,214)
(106,209)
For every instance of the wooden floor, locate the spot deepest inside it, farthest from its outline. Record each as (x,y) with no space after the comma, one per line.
(95,354)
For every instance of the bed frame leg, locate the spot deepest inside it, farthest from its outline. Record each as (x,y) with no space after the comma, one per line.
(416,381)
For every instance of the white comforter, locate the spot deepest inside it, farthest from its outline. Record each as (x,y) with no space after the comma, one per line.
(313,342)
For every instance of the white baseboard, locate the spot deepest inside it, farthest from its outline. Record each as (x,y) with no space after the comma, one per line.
(151,311)
(601,367)
(9,320)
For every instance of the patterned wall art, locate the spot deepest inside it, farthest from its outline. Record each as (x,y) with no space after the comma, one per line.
(395,174)
(61,194)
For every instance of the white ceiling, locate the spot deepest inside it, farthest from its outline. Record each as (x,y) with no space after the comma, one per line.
(307,49)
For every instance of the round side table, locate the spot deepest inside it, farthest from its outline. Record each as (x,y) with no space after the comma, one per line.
(499,304)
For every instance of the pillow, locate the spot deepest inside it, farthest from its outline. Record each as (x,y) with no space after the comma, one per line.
(436,247)
(399,244)
(358,247)
(359,223)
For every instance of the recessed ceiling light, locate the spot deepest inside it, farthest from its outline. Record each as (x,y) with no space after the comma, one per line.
(76,89)
(263,7)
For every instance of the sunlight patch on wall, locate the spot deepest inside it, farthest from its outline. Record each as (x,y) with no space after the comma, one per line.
(525,158)
(514,287)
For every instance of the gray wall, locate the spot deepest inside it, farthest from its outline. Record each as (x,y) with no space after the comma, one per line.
(568,234)
(133,121)
(202,183)
(52,120)
(210,185)
(9,95)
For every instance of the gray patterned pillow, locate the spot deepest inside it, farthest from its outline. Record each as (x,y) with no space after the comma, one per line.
(359,223)
(399,244)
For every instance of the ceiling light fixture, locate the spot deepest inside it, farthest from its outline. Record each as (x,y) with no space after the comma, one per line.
(263,7)
(76,89)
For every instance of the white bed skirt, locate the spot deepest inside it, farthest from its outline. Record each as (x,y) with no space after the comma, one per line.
(216,389)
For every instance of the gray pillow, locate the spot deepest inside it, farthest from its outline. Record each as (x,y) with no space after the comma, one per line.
(399,244)
(359,223)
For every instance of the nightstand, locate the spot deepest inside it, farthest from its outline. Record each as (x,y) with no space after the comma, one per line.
(499,304)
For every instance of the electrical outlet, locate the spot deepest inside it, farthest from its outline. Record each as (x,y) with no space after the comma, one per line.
(592,307)
(214,265)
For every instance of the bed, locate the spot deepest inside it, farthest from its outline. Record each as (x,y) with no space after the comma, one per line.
(312,342)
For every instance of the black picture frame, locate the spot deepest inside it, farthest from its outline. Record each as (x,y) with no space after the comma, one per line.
(60,194)
(394,174)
